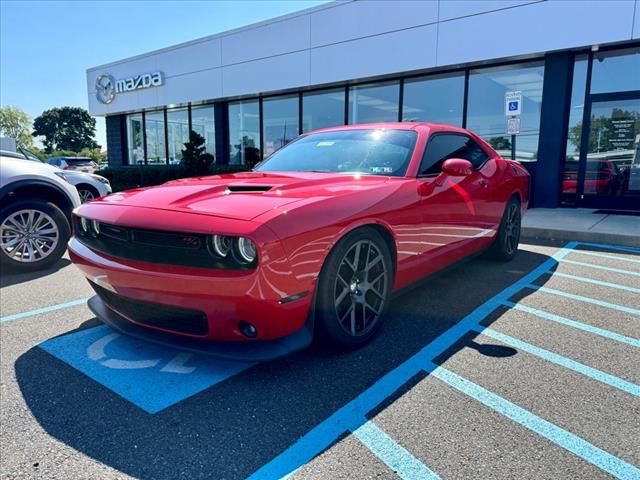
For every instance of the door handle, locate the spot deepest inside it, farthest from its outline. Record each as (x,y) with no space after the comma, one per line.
(484,183)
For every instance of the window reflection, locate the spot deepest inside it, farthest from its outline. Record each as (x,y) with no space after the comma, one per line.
(178,130)
(374,103)
(434,99)
(485,109)
(154,128)
(203,123)
(322,109)
(135,138)
(280,122)
(616,71)
(244,133)
(570,171)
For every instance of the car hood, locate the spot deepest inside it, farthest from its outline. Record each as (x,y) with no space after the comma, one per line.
(243,196)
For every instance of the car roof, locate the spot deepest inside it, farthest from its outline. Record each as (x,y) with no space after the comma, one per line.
(70,158)
(8,153)
(394,126)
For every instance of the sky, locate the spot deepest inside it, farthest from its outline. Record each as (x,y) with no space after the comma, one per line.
(47,46)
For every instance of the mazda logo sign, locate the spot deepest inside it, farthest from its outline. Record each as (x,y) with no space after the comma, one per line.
(105,89)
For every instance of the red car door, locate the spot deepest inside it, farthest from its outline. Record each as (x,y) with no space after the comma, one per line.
(457,212)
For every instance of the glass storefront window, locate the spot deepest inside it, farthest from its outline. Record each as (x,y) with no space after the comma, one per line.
(244,133)
(616,71)
(135,139)
(322,109)
(438,98)
(279,122)
(485,108)
(154,128)
(579,85)
(203,123)
(378,102)
(178,130)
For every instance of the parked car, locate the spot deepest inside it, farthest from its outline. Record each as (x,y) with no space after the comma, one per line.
(89,185)
(80,164)
(35,211)
(602,177)
(312,242)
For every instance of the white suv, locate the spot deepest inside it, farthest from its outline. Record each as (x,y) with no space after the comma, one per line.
(35,210)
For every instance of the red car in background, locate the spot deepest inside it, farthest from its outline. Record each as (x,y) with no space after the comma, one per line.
(312,242)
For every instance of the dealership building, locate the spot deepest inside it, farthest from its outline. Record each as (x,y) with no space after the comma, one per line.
(554,84)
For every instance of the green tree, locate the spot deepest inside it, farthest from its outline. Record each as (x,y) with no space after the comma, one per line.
(16,124)
(608,132)
(66,128)
(195,160)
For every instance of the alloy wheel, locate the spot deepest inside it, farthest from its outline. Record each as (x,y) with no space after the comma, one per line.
(28,236)
(86,195)
(512,228)
(360,288)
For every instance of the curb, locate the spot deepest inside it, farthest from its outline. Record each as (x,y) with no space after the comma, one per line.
(569,235)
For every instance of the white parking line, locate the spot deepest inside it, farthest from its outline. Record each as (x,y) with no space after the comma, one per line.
(582,298)
(601,267)
(605,255)
(597,282)
(634,342)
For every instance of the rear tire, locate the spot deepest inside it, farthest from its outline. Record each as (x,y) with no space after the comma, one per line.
(505,246)
(354,290)
(33,235)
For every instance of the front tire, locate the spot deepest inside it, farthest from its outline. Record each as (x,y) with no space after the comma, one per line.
(87,193)
(354,290)
(33,235)
(505,246)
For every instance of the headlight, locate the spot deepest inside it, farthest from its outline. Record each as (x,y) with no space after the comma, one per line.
(222,244)
(62,176)
(100,179)
(84,224)
(95,226)
(246,249)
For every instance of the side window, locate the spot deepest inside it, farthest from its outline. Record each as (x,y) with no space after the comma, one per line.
(442,147)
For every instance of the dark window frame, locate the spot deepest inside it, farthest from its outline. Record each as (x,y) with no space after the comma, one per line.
(458,134)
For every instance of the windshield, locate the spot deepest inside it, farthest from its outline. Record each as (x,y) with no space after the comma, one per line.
(29,155)
(376,152)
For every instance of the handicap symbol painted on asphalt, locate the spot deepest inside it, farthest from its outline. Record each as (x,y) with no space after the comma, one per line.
(151,376)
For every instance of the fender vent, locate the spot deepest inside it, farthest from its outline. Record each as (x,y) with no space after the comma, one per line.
(248,188)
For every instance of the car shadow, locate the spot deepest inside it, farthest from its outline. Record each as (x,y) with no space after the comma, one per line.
(11,276)
(233,428)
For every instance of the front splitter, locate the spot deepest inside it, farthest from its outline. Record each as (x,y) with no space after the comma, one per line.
(249,351)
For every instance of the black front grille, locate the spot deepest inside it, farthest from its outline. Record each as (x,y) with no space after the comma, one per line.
(175,319)
(153,246)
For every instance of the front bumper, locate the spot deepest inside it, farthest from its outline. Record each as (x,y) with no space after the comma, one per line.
(258,351)
(223,297)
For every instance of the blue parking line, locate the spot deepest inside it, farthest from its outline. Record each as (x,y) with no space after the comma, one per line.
(610,247)
(397,458)
(634,342)
(582,298)
(38,311)
(565,362)
(605,255)
(351,415)
(601,267)
(596,282)
(561,437)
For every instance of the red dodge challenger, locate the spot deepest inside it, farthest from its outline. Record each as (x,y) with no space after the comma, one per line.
(312,242)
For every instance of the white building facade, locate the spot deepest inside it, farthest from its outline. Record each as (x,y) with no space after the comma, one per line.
(572,65)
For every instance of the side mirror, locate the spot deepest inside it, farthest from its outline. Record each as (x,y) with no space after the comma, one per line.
(457,167)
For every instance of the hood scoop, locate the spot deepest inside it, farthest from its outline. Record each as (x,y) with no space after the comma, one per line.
(248,188)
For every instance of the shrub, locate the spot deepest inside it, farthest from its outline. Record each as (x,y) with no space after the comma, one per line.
(125,178)
(195,160)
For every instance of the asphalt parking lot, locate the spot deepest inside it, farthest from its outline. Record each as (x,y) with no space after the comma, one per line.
(529,369)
